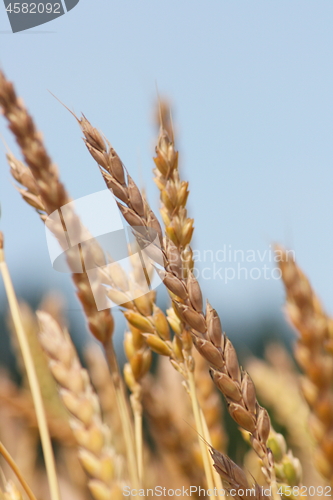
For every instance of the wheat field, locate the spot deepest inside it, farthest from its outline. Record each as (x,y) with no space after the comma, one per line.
(155,427)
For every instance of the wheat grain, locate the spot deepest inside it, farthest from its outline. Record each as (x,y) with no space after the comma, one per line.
(54,304)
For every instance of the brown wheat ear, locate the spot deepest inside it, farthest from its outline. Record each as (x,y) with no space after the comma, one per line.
(206,331)
(147,229)
(43,190)
(234,479)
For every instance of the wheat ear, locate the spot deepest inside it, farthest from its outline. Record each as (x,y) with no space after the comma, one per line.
(274,383)
(315,330)
(157,338)
(101,330)
(139,361)
(96,453)
(138,214)
(45,192)
(235,479)
(32,377)
(179,229)
(173,192)
(206,331)
(11,492)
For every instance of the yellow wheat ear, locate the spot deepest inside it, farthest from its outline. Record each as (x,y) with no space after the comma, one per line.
(32,377)
(94,440)
(313,353)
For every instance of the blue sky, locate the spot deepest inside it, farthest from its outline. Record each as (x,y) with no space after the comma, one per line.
(251,86)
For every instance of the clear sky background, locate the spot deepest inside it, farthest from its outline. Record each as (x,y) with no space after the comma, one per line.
(251,84)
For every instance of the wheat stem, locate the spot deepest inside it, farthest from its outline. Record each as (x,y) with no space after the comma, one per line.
(32,377)
(200,430)
(6,455)
(138,441)
(125,416)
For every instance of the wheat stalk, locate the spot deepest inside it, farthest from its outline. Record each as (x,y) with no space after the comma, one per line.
(315,330)
(137,350)
(32,377)
(46,381)
(96,453)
